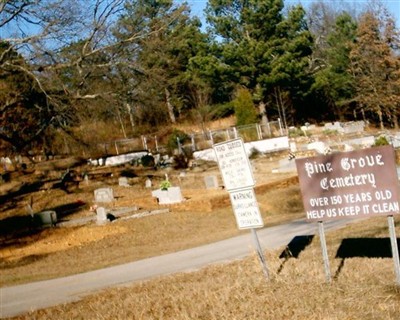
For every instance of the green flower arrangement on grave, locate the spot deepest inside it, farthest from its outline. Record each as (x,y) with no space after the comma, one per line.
(164,185)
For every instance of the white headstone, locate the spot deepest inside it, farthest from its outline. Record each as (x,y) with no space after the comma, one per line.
(101,215)
(211,182)
(148,183)
(123,182)
(103,195)
(170,196)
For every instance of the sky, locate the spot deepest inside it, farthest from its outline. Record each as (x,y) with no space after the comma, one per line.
(197,6)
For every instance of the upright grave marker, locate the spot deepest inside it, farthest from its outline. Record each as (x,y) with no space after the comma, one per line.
(352,184)
(239,181)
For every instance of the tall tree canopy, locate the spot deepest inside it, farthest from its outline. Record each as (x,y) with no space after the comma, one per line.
(376,68)
(333,79)
(76,68)
(262,49)
(159,92)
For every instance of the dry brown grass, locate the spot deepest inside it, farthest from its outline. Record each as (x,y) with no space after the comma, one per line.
(362,289)
(205,217)
(54,252)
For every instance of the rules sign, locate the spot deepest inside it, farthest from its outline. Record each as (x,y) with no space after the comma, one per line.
(234,164)
(349,184)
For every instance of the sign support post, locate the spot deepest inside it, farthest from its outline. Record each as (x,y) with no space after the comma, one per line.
(260,253)
(324,251)
(395,250)
(238,179)
(358,183)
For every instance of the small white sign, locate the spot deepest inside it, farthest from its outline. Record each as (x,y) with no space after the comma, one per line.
(245,207)
(234,164)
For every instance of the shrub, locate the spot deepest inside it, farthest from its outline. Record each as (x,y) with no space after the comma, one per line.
(147,161)
(381,141)
(176,134)
(164,185)
(245,111)
(296,132)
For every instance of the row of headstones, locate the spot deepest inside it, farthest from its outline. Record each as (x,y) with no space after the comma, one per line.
(106,195)
(171,195)
(211,182)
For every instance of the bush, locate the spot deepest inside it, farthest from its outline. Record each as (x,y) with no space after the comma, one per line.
(181,162)
(147,161)
(296,132)
(381,141)
(176,134)
(222,110)
(245,111)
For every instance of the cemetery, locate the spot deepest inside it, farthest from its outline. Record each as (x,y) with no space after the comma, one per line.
(95,199)
(84,208)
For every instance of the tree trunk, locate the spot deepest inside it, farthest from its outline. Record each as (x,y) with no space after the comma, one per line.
(129,108)
(380,116)
(264,118)
(169,106)
(121,123)
(396,121)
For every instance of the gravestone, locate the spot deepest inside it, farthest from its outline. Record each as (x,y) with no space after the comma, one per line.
(148,183)
(286,165)
(211,182)
(169,196)
(101,215)
(353,127)
(46,218)
(123,182)
(103,195)
(318,146)
(182,174)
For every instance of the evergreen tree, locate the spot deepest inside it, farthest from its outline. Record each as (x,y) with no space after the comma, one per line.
(375,68)
(245,111)
(334,80)
(261,49)
(161,57)
(25,111)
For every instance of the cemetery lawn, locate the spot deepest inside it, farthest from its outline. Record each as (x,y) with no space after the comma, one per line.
(28,253)
(363,287)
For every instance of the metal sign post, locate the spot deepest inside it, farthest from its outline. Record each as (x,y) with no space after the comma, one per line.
(395,250)
(260,253)
(355,184)
(324,251)
(238,179)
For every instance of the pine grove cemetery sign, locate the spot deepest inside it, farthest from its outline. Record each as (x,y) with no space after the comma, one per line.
(349,184)
(354,184)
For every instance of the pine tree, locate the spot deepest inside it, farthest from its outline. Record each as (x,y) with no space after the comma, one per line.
(375,68)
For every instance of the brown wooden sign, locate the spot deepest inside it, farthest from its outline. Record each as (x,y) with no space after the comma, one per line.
(349,184)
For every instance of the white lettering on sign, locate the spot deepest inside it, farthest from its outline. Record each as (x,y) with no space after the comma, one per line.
(361,162)
(348,181)
(357,183)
